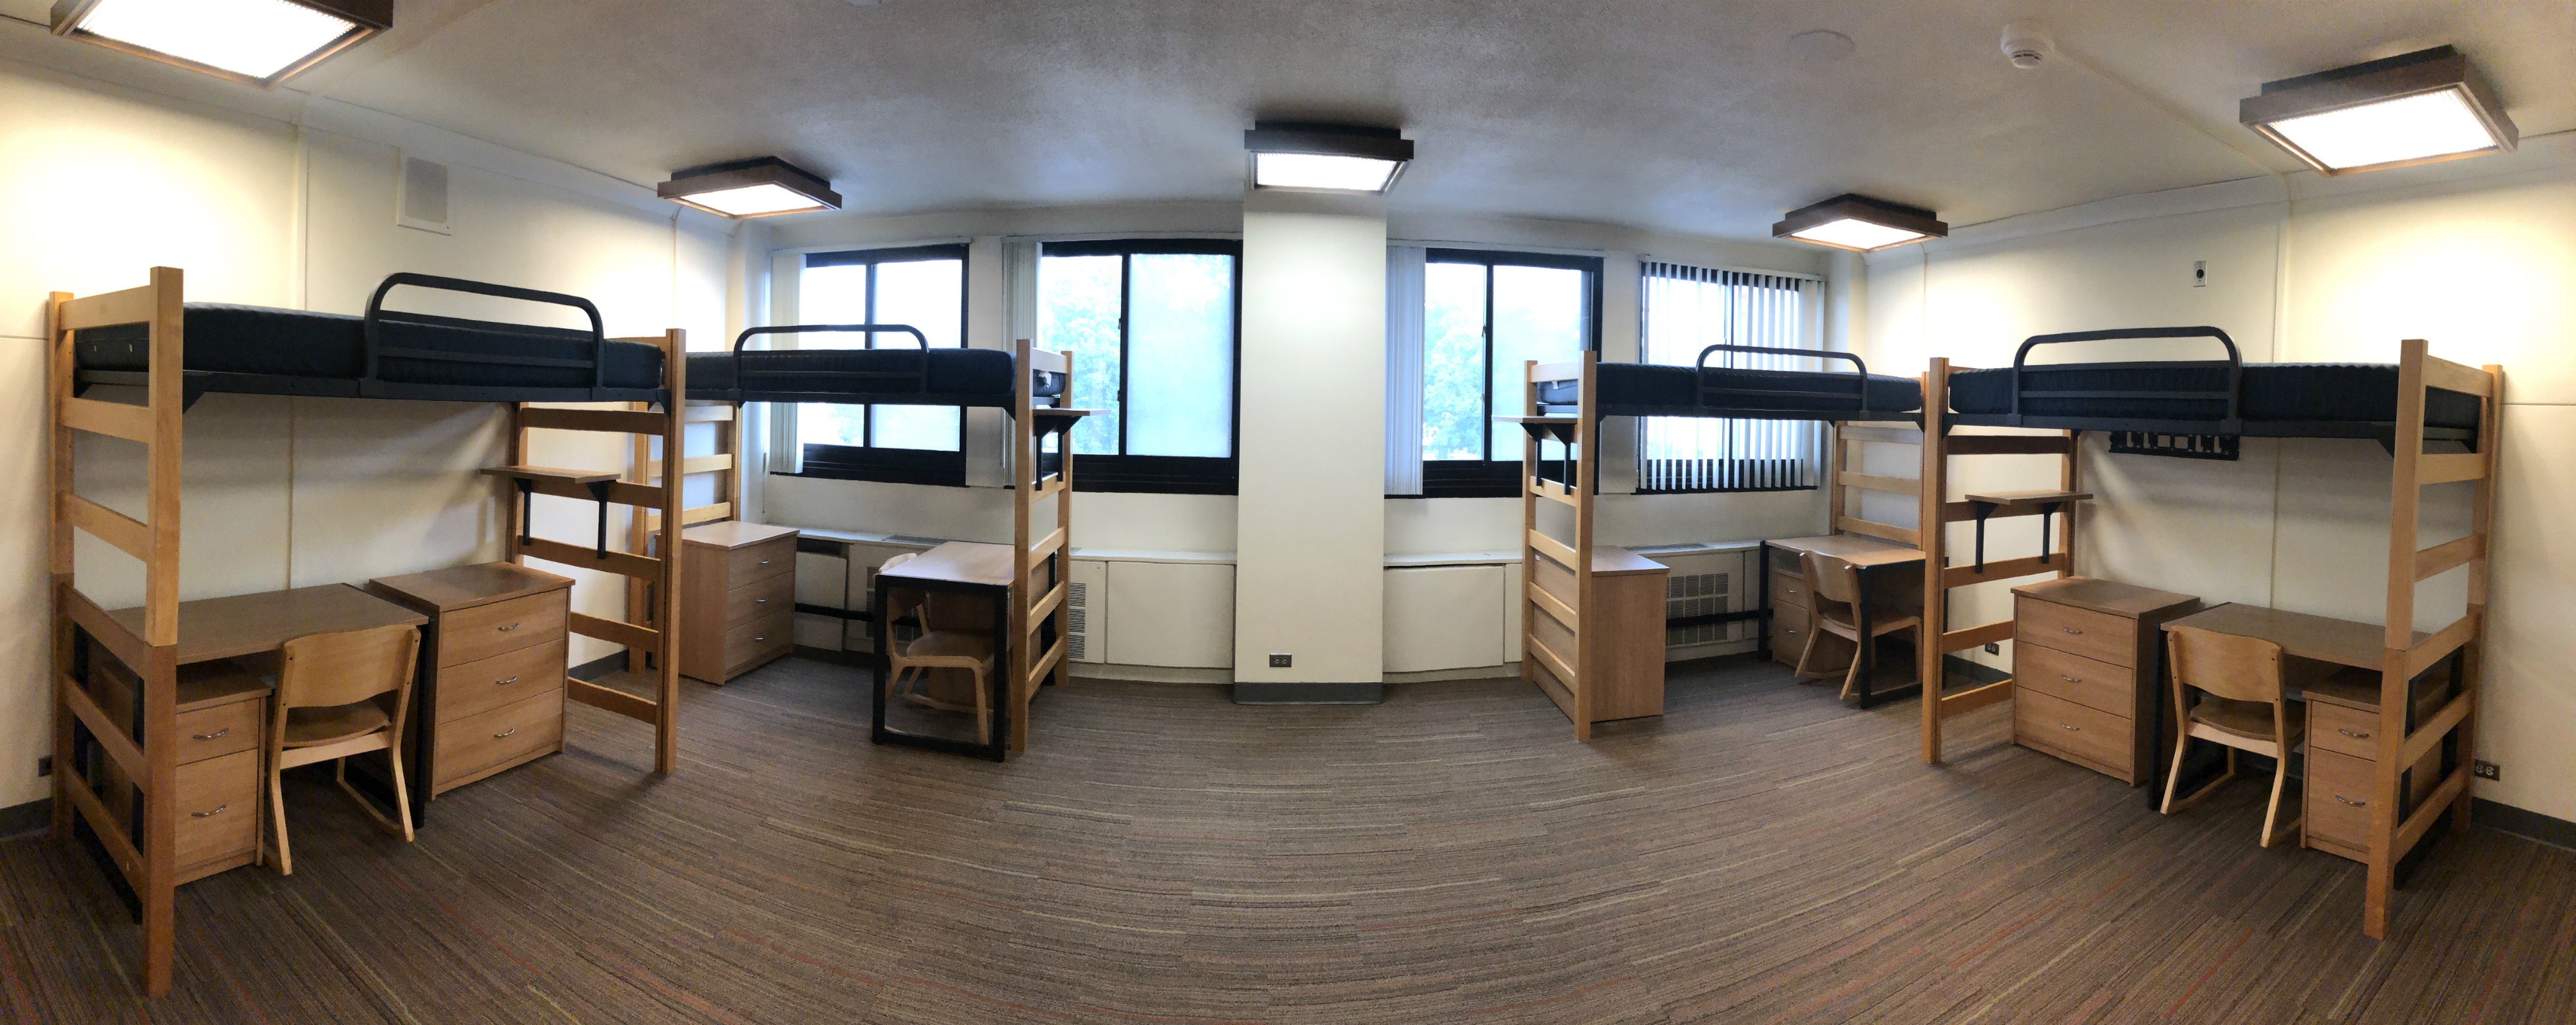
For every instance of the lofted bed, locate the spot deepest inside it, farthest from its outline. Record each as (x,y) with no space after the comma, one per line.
(1033,386)
(174,351)
(1566,402)
(2197,409)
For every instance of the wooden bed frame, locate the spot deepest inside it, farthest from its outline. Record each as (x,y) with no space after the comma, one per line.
(1036,597)
(2399,746)
(148,866)
(1562,676)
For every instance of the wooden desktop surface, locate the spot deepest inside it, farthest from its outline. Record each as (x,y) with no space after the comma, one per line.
(2324,639)
(247,624)
(959,562)
(464,587)
(1857,549)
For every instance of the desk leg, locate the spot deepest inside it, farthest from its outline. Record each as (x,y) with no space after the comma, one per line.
(1867,656)
(1005,691)
(883,634)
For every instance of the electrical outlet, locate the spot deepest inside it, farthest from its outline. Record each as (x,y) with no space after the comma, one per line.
(1280,661)
(44,766)
(2484,769)
(2200,274)
(1994,647)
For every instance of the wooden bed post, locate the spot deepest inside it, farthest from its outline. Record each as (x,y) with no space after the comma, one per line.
(1933,540)
(1586,484)
(1027,478)
(1039,599)
(666,597)
(1529,607)
(58,382)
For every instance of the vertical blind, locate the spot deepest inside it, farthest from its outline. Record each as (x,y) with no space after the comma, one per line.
(1687,309)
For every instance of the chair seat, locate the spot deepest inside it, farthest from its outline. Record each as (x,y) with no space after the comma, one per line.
(2249,719)
(1880,627)
(306,727)
(975,644)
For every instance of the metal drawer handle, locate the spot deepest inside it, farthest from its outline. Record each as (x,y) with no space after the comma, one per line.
(505,733)
(2355,804)
(219,809)
(2068,728)
(760,601)
(211,736)
(505,683)
(764,562)
(509,628)
(760,638)
(2355,736)
(2070,629)
(2069,679)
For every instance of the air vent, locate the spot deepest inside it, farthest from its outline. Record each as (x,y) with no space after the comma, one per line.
(1077,603)
(1688,600)
(421,202)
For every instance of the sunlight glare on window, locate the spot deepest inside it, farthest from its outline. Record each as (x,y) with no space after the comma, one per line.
(1453,361)
(1180,332)
(930,295)
(1078,309)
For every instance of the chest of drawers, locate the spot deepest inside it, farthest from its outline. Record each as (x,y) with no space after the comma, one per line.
(223,710)
(737,605)
(490,695)
(2085,654)
(2343,759)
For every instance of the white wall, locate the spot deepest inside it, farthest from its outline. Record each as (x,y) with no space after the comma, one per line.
(1310,548)
(2473,256)
(100,182)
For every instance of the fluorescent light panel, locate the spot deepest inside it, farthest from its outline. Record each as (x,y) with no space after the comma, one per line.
(2410,109)
(759,187)
(1324,157)
(1321,171)
(258,41)
(1858,222)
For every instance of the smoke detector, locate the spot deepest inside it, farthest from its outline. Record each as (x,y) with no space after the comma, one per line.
(2028,45)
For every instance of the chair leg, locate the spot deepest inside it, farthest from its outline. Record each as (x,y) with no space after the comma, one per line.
(983,708)
(2280,778)
(1851,673)
(277,815)
(1808,651)
(340,775)
(2173,777)
(402,791)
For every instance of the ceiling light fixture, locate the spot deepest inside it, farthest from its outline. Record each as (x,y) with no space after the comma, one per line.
(1857,222)
(262,42)
(2414,108)
(758,187)
(1326,158)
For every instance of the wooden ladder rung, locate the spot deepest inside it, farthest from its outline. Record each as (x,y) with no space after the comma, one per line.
(1976,636)
(639,567)
(2450,467)
(1555,607)
(111,833)
(129,535)
(624,635)
(2449,555)
(1975,698)
(612,699)
(114,419)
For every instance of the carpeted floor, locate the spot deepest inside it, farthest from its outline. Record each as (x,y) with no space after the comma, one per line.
(1161,855)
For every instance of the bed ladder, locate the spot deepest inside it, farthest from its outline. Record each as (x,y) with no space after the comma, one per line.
(653,567)
(1041,567)
(2403,741)
(1937,512)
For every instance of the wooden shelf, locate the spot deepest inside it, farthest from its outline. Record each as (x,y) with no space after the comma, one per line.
(550,474)
(2015,501)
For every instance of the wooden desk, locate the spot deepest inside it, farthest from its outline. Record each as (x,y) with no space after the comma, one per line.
(1870,556)
(252,624)
(964,567)
(2340,641)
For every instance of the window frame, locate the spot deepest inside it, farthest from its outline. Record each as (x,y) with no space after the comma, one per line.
(1158,475)
(1490,477)
(1814,469)
(868,461)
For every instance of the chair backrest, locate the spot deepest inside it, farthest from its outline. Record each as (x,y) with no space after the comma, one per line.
(1835,588)
(2227,665)
(940,610)
(323,670)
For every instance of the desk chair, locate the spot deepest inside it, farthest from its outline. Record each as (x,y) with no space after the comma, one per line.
(1834,586)
(329,706)
(2241,707)
(940,647)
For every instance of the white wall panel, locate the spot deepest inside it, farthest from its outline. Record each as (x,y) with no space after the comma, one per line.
(1177,614)
(1443,617)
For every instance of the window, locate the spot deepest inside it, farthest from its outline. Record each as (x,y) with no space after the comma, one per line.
(1690,308)
(1152,327)
(922,286)
(1484,314)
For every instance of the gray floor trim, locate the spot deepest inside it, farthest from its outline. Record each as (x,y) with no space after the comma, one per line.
(26,818)
(2530,825)
(1249,693)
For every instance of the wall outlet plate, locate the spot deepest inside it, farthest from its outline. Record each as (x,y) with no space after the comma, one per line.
(1994,647)
(44,766)
(1280,661)
(2484,769)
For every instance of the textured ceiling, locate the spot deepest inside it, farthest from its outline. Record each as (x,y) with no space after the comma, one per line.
(1685,116)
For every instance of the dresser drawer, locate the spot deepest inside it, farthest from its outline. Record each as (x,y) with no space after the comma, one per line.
(2337,801)
(1790,627)
(2096,685)
(218,809)
(2076,631)
(760,599)
(501,736)
(475,634)
(2086,736)
(760,639)
(1789,589)
(752,563)
(478,687)
(2343,731)
(218,731)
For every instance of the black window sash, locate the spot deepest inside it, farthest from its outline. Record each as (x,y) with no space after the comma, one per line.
(870,258)
(1120,470)
(1452,476)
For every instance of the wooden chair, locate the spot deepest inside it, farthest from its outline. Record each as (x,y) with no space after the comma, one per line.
(1834,586)
(330,705)
(2241,707)
(942,644)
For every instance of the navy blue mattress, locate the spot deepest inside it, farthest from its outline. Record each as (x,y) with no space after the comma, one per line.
(1654,389)
(225,339)
(2276,394)
(955,377)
